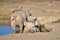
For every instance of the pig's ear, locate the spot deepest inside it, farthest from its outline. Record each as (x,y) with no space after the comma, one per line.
(21,8)
(35,19)
(13,11)
(29,11)
(25,23)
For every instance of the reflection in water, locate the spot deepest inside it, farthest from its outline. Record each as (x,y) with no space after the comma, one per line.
(4,30)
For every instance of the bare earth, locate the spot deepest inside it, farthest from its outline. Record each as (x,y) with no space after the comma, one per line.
(53,35)
(38,9)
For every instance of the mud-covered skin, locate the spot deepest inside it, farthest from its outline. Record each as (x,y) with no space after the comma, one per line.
(38,25)
(31,27)
(17,18)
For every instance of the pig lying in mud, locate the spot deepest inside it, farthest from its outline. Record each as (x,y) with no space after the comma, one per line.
(40,23)
(17,19)
(32,26)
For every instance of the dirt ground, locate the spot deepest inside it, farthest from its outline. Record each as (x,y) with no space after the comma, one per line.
(45,9)
(38,9)
(53,35)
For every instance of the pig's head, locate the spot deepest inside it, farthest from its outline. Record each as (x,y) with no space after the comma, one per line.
(30,23)
(30,26)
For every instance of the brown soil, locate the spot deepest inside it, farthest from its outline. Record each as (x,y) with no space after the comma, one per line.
(42,9)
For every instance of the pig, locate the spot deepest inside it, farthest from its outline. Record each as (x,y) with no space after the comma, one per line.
(32,26)
(17,19)
(42,22)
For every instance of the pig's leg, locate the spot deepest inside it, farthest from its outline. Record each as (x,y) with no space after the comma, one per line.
(13,27)
(21,26)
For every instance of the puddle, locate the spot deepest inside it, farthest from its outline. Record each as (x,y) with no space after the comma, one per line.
(5,30)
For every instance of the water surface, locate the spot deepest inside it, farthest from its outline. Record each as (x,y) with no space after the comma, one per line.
(5,30)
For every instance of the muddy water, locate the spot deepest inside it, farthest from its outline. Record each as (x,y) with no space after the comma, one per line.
(5,30)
